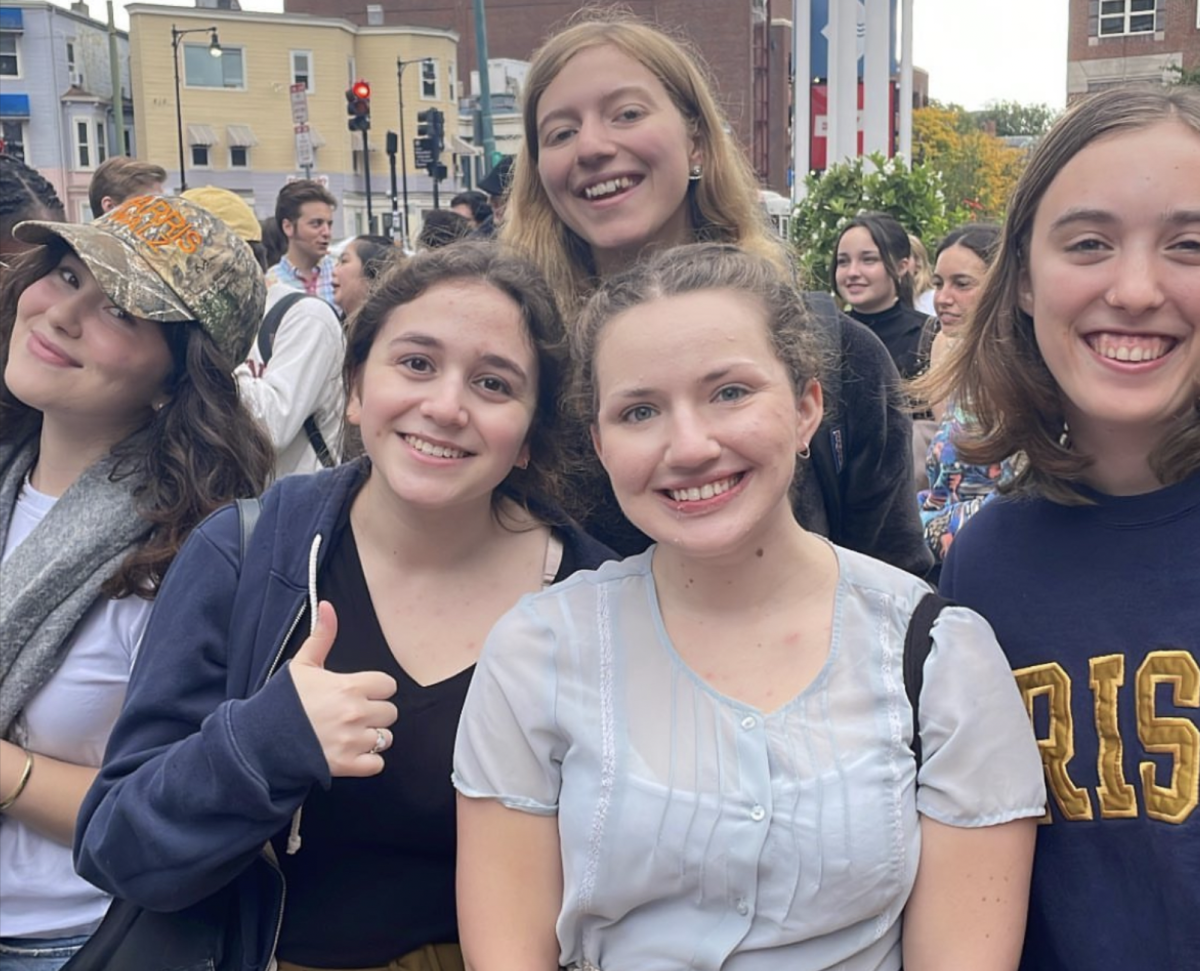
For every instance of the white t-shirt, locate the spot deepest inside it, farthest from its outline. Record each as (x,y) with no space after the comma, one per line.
(68,719)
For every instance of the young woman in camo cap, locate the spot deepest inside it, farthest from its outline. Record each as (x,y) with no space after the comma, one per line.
(120,429)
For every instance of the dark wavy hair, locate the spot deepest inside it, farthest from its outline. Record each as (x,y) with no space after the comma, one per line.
(982,239)
(24,194)
(892,241)
(537,488)
(997,371)
(375,253)
(200,451)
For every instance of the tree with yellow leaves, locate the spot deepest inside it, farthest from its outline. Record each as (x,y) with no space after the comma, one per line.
(978,169)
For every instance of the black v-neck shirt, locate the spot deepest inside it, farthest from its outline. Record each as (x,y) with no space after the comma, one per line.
(374,877)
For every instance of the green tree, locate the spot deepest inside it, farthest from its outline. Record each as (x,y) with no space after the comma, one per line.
(1183,76)
(1014,118)
(914,197)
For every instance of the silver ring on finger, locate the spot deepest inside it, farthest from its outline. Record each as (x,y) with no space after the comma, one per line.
(381,742)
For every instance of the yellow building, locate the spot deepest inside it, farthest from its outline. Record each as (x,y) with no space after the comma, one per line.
(236,120)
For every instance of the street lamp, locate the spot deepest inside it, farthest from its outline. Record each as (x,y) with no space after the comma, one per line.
(214,50)
(400,66)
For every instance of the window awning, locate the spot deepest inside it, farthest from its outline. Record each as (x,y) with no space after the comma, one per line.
(459,147)
(14,105)
(240,136)
(201,135)
(10,19)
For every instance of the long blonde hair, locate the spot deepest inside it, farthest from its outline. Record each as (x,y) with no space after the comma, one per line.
(723,205)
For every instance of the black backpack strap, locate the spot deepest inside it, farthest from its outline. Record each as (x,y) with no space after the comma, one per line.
(317,441)
(248,510)
(917,644)
(272,320)
(266,347)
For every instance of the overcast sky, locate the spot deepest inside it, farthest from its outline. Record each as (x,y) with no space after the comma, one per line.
(974,50)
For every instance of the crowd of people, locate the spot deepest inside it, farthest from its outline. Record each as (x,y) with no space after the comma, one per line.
(587,619)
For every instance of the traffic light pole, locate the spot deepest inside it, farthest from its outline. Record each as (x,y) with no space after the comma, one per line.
(366,150)
(400,66)
(392,147)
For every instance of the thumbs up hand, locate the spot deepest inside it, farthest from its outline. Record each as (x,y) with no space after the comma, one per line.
(349,712)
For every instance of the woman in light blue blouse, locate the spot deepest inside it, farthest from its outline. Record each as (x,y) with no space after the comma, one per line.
(701,756)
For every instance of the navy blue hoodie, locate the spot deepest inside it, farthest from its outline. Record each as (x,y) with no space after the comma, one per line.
(213,753)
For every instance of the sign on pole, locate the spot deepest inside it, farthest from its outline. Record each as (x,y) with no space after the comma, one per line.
(304,148)
(299,94)
(422,156)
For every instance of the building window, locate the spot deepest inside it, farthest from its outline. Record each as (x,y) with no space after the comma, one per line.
(374,15)
(128,140)
(83,145)
(200,156)
(12,134)
(101,143)
(202,70)
(1120,17)
(239,157)
(10,55)
(72,71)
(302,69)
(429,79)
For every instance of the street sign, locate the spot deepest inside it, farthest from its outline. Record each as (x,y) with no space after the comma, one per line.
(422,156)
(304,148)
(299,95)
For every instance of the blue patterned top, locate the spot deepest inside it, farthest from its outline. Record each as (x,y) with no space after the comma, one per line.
(957,489)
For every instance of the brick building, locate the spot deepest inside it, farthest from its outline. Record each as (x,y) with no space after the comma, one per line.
(747,50)
(1114,42)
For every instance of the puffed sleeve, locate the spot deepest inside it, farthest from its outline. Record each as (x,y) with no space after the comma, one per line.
(982,765)
(509,745)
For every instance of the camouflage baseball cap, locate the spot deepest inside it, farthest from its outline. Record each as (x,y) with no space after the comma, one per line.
(170,260)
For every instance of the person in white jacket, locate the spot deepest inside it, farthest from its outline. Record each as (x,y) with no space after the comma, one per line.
(300,376)
(301,379)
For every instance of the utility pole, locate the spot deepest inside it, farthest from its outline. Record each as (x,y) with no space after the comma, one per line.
(485,86)
(118,101)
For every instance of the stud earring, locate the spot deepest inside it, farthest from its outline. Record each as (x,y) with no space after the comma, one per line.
(695,174)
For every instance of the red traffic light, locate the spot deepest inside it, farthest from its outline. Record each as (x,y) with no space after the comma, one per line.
(361,89)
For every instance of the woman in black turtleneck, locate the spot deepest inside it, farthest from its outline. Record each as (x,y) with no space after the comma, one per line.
(871,272)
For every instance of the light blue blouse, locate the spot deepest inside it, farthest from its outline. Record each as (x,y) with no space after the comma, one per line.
(700,832)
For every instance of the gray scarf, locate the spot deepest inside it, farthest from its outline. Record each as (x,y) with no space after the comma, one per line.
(52,579)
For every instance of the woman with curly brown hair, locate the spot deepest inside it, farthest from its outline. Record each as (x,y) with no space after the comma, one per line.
(261,699)
(120,429)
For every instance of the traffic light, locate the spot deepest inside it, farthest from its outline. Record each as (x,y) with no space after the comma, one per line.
(358,106)
(431,135)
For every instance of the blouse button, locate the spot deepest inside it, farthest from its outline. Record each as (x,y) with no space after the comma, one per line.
(758,814)
(743,908)
(748,722)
